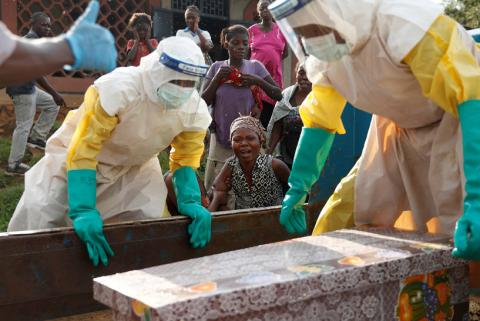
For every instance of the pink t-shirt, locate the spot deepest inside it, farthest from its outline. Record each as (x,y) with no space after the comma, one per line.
(267,47)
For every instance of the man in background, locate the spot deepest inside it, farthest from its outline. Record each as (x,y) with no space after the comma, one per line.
(86,45)
(26,98)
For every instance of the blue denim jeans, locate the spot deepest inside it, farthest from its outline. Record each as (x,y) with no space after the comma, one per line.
(25,109)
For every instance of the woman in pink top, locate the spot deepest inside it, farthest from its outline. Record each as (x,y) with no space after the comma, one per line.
(268,46)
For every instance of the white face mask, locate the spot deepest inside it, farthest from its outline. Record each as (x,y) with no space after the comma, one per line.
(325,47)
(173,96)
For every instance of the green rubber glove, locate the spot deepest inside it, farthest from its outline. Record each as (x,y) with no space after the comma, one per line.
(189,203)
(87,223)
(312,151)
(467,231)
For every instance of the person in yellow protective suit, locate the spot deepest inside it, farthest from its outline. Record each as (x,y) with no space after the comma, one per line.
(102,165)
(417,71)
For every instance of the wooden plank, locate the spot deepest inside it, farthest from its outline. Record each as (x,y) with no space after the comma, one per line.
(104,315)
(47,274)
(70,85)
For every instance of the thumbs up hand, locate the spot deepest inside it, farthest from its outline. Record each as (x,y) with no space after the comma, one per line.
(92,45)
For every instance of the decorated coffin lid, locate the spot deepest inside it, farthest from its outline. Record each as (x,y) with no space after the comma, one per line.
(327,264)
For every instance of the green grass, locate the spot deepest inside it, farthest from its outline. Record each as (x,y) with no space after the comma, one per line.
(9,198)
(11,187)
(56,125)
(8,181)
(4,150)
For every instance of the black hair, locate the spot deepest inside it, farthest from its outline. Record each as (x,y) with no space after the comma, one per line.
(222,36)
(232,31)
(37,15)
(139,17)
(262,1)
(193,8)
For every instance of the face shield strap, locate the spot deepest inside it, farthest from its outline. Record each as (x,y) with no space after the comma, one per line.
(283,8)
(183,67)
(172,101)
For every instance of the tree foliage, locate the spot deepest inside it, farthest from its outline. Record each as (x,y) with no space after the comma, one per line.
(466,12)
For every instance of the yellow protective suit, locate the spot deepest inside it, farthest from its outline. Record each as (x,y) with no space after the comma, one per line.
(119,131)
(412,159)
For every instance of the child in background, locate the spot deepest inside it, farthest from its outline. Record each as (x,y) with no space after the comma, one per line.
(141,45)
(201,37)
(232,90)
(257,180)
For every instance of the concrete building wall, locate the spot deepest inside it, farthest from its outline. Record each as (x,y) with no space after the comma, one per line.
(237,8)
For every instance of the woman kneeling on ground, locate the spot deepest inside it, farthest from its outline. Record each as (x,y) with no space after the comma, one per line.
(257,180)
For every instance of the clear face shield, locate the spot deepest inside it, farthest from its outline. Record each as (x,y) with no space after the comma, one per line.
(304,25)
(175,93)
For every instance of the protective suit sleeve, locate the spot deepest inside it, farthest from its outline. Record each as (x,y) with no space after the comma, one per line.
(187,150)
(444,66)
(448,72)
(323,109)
(92,130)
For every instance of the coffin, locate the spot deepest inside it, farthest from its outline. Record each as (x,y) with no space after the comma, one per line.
(358,274)
(46,274)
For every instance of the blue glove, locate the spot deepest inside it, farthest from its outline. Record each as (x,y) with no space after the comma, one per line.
(92,45)
(87,222)
(312,151)
(467,231)
(189,203)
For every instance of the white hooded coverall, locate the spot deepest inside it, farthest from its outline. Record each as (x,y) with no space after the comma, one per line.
(410,67)
(119,131)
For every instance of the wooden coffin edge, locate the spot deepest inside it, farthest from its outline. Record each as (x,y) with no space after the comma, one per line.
(46,274)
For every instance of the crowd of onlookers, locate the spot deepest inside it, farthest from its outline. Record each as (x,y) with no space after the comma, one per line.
(255,120)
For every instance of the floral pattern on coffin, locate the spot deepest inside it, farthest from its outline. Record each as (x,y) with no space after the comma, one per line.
(344,275)
(425,297)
